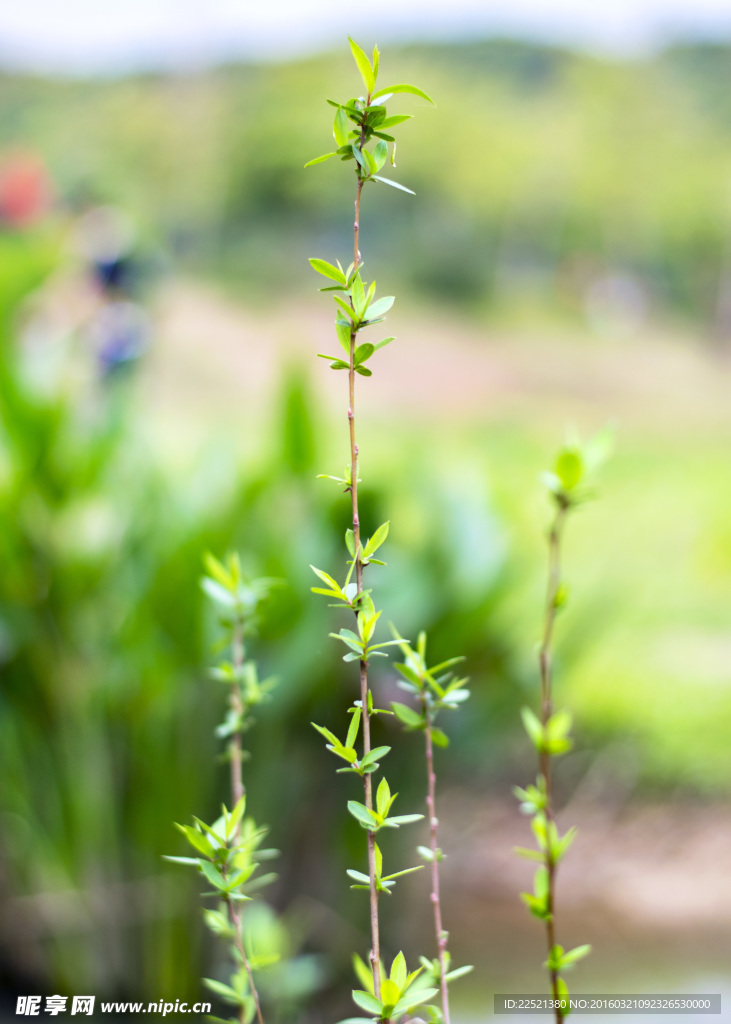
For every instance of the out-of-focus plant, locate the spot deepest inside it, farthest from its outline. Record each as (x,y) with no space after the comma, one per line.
(550,731)
(229,850)
(361,123)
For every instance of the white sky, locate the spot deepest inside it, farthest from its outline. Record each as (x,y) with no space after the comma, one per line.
(99,35)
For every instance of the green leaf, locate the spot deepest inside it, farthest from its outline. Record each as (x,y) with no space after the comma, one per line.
(329,736)
(327,270)
(391,122)
(439,738)
(364,352)
(393,184)
(403,88)
(563,844)
(320,159)
(361,813)
(358,876)
(380,154)
(373,755)
(358,296)
(541,883)
(569,958)
(411,1000)
(528,854)
(213,875)
(341,127)
(406,871)
(459,972)
(225,991)
(370,163)
(380,307)
(343,332)
(533,727)
(390,992)
(384,798)
(378,538)
(563,993)
(404,819)
(364,66)
(196,839)
(399,972)
(569,468)
(363,973)
(345,308)
(366,1001)
(407,715)
(353,730)
(235,816)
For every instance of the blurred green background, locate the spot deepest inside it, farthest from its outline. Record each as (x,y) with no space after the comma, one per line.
(565,262)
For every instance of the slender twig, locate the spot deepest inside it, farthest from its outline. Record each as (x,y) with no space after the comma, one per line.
(375,955)
(237,706)
(546,671)
(239,940)
(441,935)
(237,792)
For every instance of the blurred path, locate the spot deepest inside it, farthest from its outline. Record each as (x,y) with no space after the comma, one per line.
(214,359)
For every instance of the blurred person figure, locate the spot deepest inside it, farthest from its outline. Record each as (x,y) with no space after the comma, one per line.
(119,328)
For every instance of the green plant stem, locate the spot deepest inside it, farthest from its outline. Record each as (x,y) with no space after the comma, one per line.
(235,747)
(239,939)
(375,955)
(441,935)
(546,671)
(237,792)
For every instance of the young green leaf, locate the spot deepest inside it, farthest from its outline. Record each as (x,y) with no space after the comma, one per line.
(364,65)
(393,184)
(341,127)
(319,159)
(402,88)
(328,270)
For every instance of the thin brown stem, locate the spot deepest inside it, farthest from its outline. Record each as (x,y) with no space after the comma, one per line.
(546,671)
(238,938)
(441,935)
(237,792)
(375,954)
(235,747)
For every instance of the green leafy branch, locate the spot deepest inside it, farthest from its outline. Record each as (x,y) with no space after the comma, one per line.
(401,994)
(361,129)
(384,883)
(362,120)
(374,819)
(568,484)
(436,689)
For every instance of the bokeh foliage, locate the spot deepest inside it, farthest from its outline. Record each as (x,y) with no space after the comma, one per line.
(541,168)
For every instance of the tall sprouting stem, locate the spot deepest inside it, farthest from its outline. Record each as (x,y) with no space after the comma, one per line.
(375,954)
(549,733)
(360,123)
(228,851)
(435,689)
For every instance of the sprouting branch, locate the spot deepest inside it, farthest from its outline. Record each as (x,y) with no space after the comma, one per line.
(441,935)
(549,733)
(359,124)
